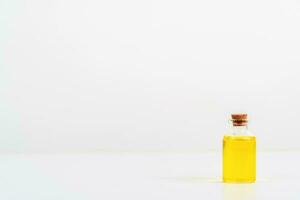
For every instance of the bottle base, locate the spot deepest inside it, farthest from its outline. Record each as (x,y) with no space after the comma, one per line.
(239,180)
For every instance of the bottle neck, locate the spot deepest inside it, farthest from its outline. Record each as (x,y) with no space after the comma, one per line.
(239,130)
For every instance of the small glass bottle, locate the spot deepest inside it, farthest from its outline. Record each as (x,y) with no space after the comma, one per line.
(239,152)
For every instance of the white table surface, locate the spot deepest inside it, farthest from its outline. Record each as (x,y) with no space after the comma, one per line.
(143,176)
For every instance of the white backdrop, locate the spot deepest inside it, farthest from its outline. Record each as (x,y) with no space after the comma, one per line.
(160,75)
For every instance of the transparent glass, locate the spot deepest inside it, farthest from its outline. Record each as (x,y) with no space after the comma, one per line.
(239,156)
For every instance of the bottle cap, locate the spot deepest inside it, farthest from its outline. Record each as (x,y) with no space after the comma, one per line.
(239,119)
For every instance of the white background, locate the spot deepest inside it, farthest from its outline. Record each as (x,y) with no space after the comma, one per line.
(160,75)
(129,99)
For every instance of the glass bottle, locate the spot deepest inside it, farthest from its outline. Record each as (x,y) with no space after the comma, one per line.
(239,152)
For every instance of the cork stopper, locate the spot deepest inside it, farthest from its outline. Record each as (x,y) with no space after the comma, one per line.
(239,119)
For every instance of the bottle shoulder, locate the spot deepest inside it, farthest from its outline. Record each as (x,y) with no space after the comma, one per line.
(239,137)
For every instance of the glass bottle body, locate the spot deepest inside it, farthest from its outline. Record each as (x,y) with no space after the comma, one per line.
(239,156)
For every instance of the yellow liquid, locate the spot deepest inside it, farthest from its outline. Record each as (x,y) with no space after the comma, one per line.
(239,159)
